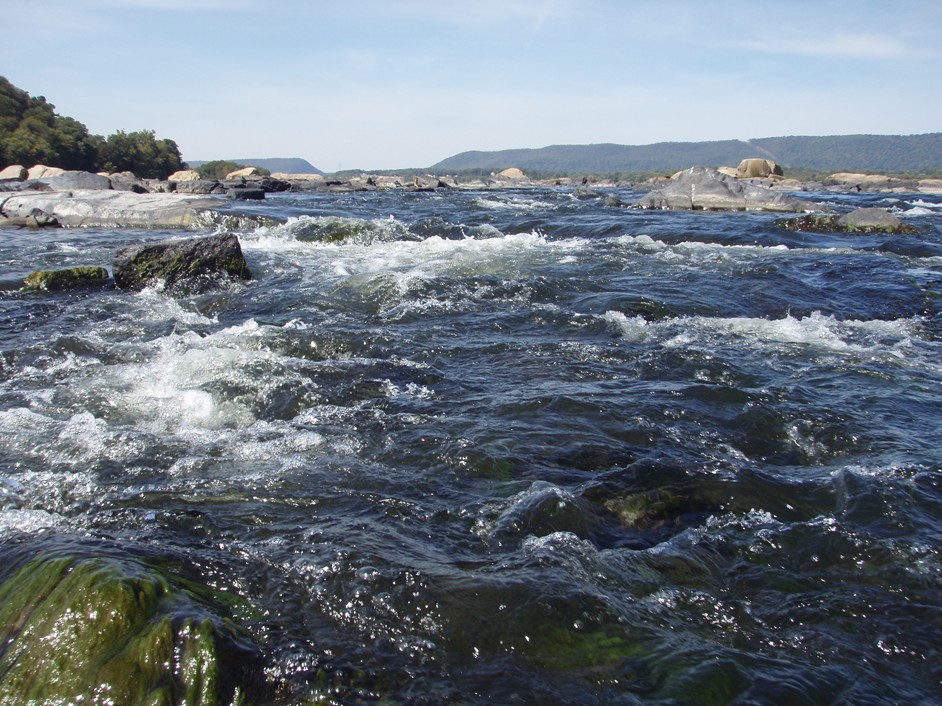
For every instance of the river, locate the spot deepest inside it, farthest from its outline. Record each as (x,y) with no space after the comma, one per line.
(511,446)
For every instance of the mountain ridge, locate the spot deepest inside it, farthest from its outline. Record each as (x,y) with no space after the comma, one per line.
(884,153)
(286,165)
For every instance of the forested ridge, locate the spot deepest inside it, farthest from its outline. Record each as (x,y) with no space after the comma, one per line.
(864,153)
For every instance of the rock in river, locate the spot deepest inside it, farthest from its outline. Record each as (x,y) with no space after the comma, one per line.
(109,208)
(861,220)
(112,630)
(62,280)
(705,189)
(186,263)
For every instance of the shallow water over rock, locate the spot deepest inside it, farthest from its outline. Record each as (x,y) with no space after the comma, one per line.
(507,447)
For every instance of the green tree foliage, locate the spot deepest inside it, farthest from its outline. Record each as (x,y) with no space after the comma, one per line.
(31,132)
(220,168)
(142,153)
(217,169)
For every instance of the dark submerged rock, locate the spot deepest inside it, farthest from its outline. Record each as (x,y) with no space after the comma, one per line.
(246,194)
(189,263)
(74,629)
(63,280)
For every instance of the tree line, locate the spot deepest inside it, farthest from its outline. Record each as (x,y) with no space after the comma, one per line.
(31,132)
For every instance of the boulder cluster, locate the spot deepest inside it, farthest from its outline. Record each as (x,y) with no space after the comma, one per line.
(188,265)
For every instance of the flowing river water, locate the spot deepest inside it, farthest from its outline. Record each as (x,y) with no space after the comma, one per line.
(520,446)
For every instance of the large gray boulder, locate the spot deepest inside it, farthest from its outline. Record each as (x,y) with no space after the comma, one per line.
(127,181)
(109,208)
(193,263)
(76,180)
(199,186)
(705,189)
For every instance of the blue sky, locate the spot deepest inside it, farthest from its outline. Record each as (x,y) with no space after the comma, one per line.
(384,84)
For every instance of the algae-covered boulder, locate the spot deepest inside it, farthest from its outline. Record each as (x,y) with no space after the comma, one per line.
(104,630)
(189,263)
(861,220)
(62,280)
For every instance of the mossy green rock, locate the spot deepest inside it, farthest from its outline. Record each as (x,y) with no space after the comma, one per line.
(71,278)
(862,220)
(189,263)
(99,630)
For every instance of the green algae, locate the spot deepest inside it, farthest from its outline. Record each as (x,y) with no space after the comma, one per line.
(62,280)
(830,223)
(97,630)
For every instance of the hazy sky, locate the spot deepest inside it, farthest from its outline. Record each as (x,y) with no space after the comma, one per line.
(383,84)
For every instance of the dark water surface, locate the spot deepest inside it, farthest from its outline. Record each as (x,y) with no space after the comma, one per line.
(512,446)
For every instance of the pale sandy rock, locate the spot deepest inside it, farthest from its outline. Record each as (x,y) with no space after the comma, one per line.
(930,186)
(871,182)
(387,182)
(728,171)
(14,172)
(185,175)
(244,172)
(854,178)
(512,173)
(284,176)
(758,167)
(41,170)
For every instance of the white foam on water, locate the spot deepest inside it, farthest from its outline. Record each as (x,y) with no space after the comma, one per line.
(188,382)
(894,337)
(15,521)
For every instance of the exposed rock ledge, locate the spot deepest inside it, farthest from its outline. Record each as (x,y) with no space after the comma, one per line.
(108,208)
(705,189)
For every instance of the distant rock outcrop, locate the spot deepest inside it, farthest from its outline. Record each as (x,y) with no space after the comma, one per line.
(15,172)
(704,189)
(870,182)
(184,175)
(512,173)
(758,168)
(244,173)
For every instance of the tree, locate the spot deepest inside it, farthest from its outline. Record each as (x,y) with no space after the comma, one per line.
(217,169)
(142,153)
(31,132)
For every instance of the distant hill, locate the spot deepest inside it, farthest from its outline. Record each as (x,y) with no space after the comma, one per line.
(288,165)
(865,153)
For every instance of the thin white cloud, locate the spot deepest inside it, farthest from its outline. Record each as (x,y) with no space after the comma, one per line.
(186,5)
(848,46)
